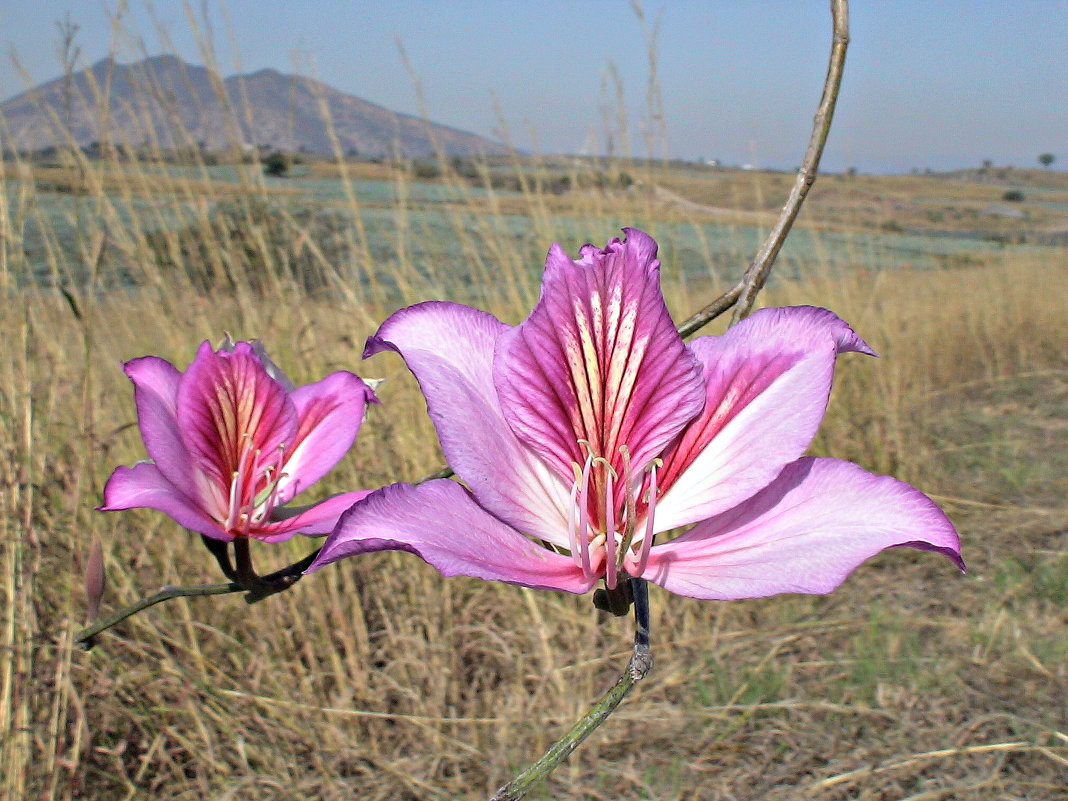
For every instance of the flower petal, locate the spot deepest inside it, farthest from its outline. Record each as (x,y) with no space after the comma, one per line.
(329,414)
(767,383)
(227,405)
(598,361)
(145,486)
(449,349)
(315,520)
(440,523)
(804,533)
(156,383)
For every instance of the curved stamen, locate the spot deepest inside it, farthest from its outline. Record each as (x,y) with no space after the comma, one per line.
(629,511)
(237,483)
(264,501)
(650,511)
(610,528)
(572,516)
(584,518)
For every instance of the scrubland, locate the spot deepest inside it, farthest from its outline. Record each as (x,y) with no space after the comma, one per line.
(378,679)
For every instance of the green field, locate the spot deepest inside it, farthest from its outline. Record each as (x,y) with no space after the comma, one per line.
(377,678)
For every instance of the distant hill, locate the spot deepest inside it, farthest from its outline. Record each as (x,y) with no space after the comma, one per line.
(167,102)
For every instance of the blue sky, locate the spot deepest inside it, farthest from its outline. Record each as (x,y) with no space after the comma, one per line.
(937,84)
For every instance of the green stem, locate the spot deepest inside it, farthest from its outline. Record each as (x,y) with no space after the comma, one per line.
(85,637)
(641,661)
(255,590)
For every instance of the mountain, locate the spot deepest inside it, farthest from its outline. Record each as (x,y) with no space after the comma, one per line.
(166,102)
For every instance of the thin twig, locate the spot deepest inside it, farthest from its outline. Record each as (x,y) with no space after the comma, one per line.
(256,589)
(641,661)
(757,273)
(743,295)
(710,312)
(85,637)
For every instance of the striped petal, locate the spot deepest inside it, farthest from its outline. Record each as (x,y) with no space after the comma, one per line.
(598,364)
(804,533)
(230,410)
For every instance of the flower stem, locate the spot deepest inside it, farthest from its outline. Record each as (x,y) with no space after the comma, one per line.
(85,637)
(641,661)
(262,587)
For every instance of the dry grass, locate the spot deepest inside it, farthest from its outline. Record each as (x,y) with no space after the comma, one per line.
(378,679)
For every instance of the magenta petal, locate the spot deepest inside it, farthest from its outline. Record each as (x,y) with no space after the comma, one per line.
(314,520)
(227,405)
(156,383)
(804,533)
(449,348)
(439,522)
(329,414)
(598,361)
(144,486)
(767,383)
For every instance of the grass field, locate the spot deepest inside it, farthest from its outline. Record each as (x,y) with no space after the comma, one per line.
(377,678)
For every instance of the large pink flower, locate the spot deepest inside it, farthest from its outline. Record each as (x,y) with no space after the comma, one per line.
(231,440)
(590,428)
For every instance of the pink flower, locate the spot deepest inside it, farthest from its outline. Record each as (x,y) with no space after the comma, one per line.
(591,428)
(231,441)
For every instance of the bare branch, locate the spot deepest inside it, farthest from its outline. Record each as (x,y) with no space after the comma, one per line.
(757,273)
(744,293)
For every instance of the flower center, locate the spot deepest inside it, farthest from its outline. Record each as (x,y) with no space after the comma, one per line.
(254,487)
(603,521)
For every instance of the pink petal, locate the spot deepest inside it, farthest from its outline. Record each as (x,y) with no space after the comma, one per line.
(598,361)
(227,404)
(439,522)
(804,533)
(156,383)
(317,519)
(767,383)
(329,414)
(449,349)
(144,486)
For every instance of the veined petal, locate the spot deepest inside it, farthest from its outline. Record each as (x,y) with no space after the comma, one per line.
(228,405)
(329,414)
(144,486)
(803,533)
(598,361)
(449,349)
(156,384)
(767,384)
(439,522)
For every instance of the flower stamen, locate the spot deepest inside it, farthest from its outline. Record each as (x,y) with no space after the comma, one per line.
(584,518)
(650,511)
(610,528)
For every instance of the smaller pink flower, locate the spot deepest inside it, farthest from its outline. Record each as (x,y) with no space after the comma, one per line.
(231,441)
